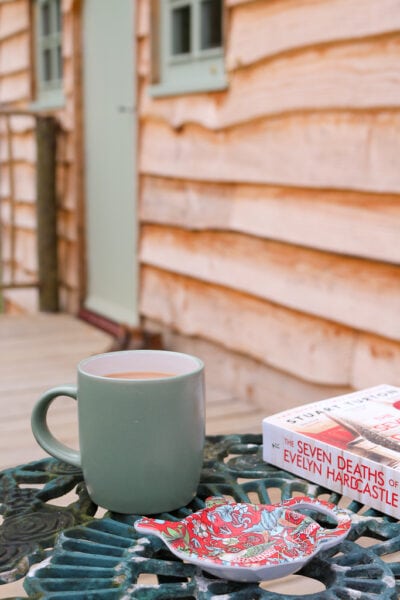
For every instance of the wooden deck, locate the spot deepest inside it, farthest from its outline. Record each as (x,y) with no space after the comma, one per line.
(38,352)
(41,351)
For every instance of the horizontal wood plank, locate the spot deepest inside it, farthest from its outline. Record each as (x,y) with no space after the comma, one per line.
(362,294)
(14,18)
(25,216)
(261,29)
(304,346)
(237,375)
(14,54)
(357,75)
(15,87)
(365,225)
(358,151)
(25,250)
(23,148)
(376,360)
(25,179)
(22,124)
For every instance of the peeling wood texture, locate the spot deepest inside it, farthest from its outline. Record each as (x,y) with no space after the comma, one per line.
(14,18)
(310,348)
(271,211)
(340,150)
(358,293)
(375,359)
(259,29)
(365,225)
(355,75)
(264,387)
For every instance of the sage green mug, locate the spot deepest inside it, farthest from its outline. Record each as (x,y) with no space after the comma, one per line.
(141,428)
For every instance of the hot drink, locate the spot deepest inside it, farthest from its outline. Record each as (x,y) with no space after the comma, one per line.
(139,375)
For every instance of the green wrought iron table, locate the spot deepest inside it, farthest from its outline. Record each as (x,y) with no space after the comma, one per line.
(69,553)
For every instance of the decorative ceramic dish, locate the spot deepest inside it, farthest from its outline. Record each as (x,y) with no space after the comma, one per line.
(250,542)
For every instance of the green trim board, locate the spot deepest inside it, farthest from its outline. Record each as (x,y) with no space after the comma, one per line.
(110,159)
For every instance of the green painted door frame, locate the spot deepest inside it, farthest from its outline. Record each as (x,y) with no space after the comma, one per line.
(109,80)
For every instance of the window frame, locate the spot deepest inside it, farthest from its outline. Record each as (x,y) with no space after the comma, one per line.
(48,94)
(197,71)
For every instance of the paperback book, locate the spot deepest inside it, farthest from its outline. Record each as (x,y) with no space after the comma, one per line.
(349,444)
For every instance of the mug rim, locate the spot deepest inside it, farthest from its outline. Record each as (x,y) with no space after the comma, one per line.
(94,357)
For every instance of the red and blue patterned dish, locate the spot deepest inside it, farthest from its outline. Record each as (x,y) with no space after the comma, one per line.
(250,542)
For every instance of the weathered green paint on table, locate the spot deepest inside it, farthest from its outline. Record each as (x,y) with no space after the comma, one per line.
(82,557)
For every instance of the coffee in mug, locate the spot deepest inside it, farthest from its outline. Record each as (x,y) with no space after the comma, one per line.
(141,438)
(139,375)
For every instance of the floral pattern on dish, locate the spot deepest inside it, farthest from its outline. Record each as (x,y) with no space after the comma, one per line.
(250,542)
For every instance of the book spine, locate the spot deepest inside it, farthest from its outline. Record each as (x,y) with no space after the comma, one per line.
(360,479)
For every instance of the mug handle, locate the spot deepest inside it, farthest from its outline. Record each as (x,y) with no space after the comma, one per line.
(40,429)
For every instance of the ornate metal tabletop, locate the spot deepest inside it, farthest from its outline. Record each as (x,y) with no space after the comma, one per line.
(70,553)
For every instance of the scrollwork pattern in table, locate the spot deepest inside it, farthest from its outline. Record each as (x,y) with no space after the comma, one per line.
(81,556)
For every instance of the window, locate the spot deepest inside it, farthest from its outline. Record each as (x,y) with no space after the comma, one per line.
(189,53)
(48,28)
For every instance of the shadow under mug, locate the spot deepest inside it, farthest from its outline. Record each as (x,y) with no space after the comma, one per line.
(141,440)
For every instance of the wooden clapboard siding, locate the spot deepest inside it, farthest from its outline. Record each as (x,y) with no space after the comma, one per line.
(25,216)
(362,294)
(340,150)
(14,55)
(375,359)
(262,28)
(365,225)
(244,378)
(22,124)
(314,350)
(23,148)
(17,89)
(310,348)
(25,181)
(358,75)
(14,18)
(15,59)
(270,211)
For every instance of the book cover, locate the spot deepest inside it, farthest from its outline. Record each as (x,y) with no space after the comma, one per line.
(349,444)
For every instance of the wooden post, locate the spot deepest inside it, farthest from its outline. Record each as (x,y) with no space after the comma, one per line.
(46,200)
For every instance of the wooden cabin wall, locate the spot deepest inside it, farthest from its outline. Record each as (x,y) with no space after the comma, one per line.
(270,212)
(17,92)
